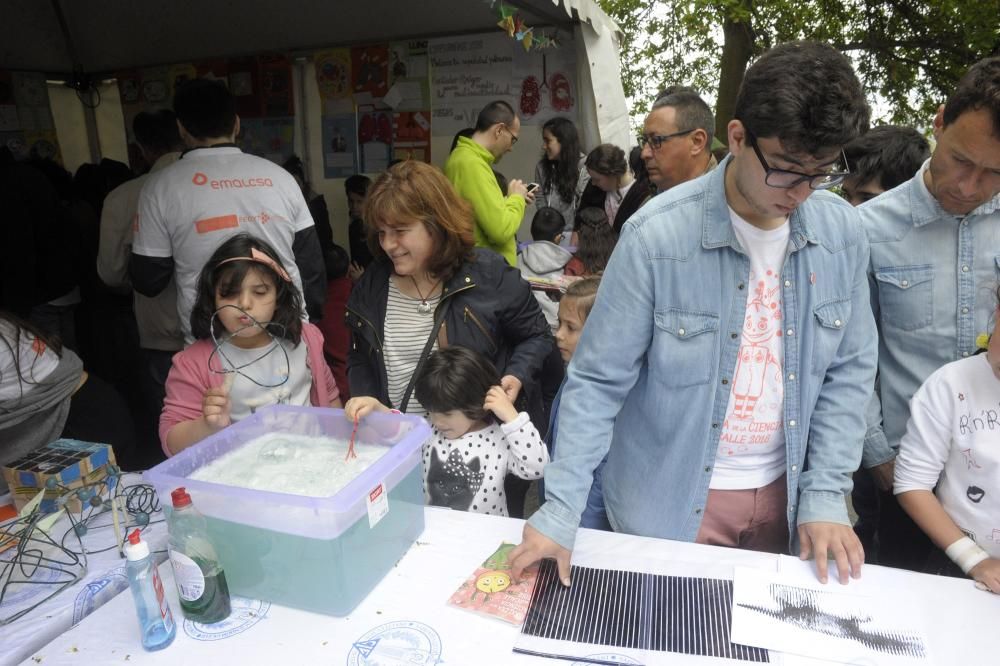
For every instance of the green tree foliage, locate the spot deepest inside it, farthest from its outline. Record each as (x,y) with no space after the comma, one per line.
(909,53)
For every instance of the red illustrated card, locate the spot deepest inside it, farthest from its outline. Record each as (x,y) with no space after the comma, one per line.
(492,591)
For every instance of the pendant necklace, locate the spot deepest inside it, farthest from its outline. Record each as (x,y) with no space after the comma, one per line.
(424,307)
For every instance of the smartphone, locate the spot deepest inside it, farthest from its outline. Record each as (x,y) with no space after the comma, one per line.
(532,187)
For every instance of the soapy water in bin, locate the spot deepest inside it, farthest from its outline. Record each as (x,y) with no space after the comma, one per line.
(290,463)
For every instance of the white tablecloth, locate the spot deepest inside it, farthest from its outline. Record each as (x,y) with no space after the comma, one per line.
(406,619)
(104,579)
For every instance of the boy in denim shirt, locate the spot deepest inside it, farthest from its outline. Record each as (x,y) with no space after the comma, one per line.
(730,354)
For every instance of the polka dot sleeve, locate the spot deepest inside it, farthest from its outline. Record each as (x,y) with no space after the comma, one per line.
(527,455)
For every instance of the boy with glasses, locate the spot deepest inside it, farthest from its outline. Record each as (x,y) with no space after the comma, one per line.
(744,346)
(470,169)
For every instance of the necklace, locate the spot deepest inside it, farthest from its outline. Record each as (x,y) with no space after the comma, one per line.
(424,307)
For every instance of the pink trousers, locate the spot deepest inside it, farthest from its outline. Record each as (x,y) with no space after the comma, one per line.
(753,519)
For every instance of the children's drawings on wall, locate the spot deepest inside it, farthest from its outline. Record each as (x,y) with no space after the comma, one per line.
(333,73)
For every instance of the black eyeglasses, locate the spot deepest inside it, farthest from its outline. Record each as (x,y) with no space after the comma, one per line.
(513,137)
(786,180)
(657,140)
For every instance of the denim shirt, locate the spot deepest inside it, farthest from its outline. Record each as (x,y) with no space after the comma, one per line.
(649,381)
(933,282)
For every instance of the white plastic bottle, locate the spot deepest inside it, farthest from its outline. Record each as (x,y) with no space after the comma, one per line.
(156,622)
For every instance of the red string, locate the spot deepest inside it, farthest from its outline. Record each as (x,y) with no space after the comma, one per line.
(350,448)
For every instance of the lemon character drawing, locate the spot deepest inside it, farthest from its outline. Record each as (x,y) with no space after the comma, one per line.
(490,583)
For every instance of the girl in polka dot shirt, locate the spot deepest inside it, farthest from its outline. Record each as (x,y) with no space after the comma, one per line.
(478,435)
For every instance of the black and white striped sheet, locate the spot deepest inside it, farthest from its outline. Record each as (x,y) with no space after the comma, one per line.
(634,611)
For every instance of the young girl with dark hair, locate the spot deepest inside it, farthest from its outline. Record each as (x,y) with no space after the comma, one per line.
(595,241)
(249,350)
(561,174)
(478,438)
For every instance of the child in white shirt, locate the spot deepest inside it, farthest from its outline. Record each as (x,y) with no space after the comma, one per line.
(951,443)
(469,453)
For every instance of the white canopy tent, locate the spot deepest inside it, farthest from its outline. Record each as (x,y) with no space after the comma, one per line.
(87,41)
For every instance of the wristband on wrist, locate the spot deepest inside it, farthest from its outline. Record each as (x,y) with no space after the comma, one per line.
(966,554)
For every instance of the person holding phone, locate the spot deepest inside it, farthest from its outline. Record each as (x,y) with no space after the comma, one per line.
(497,213)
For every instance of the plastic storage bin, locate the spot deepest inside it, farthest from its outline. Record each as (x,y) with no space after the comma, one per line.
(322,554)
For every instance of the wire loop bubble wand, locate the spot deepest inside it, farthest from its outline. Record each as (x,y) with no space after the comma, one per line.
(225,364)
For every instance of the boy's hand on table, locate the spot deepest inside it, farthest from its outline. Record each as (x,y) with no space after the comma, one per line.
(820,538)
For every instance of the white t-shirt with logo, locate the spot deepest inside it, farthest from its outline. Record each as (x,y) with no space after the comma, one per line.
(189,209)
(751,450)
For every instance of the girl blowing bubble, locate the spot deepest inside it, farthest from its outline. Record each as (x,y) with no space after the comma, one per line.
(252,348)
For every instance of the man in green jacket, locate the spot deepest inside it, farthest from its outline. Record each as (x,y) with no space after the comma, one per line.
(469,168)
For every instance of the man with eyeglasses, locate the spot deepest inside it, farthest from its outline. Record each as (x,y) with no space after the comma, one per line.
(728,359)
(470,169)
(935,264)
(676,139)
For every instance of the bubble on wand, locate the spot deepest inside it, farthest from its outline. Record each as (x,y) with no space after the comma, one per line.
(227,367)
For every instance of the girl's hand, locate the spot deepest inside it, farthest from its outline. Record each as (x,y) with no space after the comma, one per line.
(355,271)
(215,407)
(499,403)
(987,572)
(358,408)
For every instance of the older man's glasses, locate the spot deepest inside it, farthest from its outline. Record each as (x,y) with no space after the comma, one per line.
(513,137)
(786,180)
(657,140)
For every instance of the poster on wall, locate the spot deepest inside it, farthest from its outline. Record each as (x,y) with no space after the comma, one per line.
(374,140)
(411,139)
(370,70)
(469,72)
(333,74)
(339,145)
(270,138)
(276,86)
(466,74)
(545,82)
(409,86)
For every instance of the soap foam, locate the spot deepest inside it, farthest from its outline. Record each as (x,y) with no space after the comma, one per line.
(289,463)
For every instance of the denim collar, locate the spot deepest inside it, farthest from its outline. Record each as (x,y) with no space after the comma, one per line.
(717,227)
(926,209)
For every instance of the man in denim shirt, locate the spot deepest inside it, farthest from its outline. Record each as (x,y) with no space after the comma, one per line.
(727,384)
(935,256)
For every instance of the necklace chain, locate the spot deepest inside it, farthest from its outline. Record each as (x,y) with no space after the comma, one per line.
(424,307)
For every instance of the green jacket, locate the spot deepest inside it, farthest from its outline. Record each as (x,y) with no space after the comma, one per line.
(497,217)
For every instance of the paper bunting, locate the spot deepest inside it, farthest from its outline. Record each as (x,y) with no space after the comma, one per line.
(513,24)
(507,25)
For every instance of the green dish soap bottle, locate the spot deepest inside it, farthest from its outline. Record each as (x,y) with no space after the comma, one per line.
(201,583)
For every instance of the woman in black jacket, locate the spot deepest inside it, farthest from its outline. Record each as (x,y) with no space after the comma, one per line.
(429,288)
